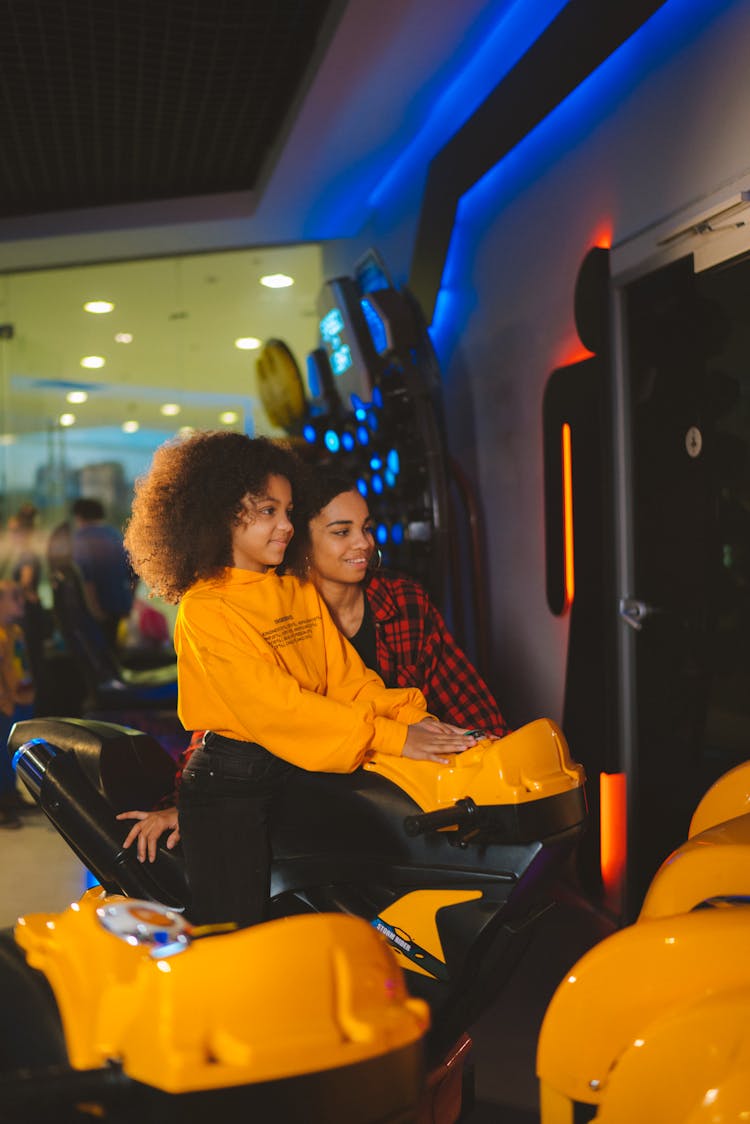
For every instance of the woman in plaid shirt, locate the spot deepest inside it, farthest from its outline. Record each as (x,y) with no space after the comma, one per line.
(388,618)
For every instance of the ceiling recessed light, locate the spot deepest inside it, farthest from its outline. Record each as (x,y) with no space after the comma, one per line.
(170,409)
(8,438)
(130,427)
(75,397)
(123,337)
(67,419)
(93,361)
(98,306)
(247,343)
(229,417)
(277,281)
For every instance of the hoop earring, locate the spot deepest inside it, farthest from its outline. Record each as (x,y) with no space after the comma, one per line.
(375,565)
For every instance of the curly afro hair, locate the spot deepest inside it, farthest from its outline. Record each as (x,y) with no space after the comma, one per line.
(186,505)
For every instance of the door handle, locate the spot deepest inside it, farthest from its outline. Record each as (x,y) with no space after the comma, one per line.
(635,612)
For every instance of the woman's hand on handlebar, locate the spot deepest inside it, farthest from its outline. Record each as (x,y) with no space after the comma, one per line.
(149,830)
(429,740)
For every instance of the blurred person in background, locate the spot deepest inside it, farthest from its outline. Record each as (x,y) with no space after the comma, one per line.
(16,694)
(108,580)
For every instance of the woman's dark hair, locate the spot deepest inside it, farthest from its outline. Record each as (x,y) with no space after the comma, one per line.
(318,486)
(186,505)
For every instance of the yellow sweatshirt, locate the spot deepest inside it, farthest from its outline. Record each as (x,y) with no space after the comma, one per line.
(260,659)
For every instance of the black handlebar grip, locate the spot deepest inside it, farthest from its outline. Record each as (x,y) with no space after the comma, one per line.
(455,816)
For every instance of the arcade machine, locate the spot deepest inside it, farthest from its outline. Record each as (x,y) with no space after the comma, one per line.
(375,413)
(453,864)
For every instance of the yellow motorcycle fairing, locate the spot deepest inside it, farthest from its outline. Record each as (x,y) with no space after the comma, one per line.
(412,930)
(712,864)
(693,1067)
(623,991)
(294,996)
(727,798)
(532,763)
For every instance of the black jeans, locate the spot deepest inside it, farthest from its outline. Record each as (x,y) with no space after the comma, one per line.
(225,796)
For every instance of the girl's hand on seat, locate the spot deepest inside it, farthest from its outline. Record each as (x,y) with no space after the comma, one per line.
(149,830)
(430,740)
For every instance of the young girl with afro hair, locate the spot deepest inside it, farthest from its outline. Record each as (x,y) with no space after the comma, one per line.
(260,664)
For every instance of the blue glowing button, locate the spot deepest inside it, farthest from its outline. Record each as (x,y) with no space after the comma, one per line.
(310,434)
(362,435)
(397,534)
(347,441)
(381,533)
(362,486)
(376,464)
(377,398)
(389,478)
(372,420)
(394,462)
(377,485)
(332,442)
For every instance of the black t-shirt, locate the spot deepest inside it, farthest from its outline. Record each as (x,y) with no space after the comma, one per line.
(363,640)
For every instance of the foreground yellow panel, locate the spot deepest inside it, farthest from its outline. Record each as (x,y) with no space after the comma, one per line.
(290,997)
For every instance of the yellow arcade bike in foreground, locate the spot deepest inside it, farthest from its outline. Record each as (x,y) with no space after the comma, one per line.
(450,865)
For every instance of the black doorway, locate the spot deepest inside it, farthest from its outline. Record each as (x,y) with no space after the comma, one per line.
(688,339)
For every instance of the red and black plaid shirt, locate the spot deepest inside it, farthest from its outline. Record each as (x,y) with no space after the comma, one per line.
(415,649)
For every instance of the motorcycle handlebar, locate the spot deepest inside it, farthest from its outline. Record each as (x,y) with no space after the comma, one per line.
(458,815)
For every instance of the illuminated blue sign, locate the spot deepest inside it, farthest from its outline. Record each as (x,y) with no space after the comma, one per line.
(331,327)
(331,330)
(341,360)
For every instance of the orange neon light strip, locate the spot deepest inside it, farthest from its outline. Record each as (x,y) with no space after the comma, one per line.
(613,836)
(567,475)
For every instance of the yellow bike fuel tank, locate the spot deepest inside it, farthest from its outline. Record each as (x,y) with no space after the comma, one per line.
(306,1018)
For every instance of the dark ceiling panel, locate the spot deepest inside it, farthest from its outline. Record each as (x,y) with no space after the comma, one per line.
(123,101)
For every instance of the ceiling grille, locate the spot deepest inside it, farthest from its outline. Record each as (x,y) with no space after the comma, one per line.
(122,101)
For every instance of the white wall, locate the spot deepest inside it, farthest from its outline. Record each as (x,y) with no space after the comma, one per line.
(664,124)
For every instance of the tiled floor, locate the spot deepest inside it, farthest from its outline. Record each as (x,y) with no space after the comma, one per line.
(39,873)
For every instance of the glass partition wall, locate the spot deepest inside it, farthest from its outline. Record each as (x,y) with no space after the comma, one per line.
(101,363)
